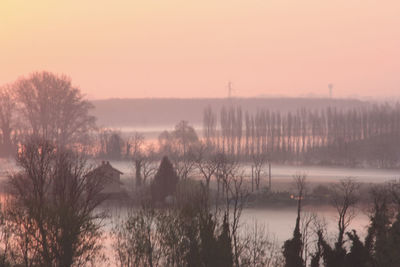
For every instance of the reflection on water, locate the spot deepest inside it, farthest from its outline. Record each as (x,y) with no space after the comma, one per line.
(281,221)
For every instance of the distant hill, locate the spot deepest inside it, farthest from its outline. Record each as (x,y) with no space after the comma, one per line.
(167,112)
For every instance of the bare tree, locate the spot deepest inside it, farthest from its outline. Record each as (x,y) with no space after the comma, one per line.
(300,184)
(239,130)
(319,228)
(259,161)
(54,203)
(24,249)
(185,137)
(180,146)
(165,143)
(206,163)
(5,239)
(185,166)
(7,116)
(136,240)
(344,199)
(114,145)
(102,136)
(309,225)
(144,160)
(185,234)
(149,163)
(340,136)
(209,126)
(227,168)
(260,247)
(236,196)
(135,143)
(53,108)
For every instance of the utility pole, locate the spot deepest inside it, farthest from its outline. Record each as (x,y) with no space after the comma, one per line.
(330,86)
(252,178)
(230,90)
(269,175)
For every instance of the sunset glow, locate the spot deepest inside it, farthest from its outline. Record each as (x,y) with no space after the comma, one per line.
(187,48)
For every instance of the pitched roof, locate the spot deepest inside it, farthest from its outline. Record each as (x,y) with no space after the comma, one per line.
(104,167)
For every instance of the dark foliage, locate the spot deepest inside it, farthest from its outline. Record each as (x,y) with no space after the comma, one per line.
(165,181)
(292,250)
(225,246)
(359,254)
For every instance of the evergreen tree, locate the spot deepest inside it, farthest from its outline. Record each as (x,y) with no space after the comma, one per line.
(358,255)
(165,181)
(208,241)
(193,257)
(225,245)
(332,256)
(292,250)
(393,243)
(377,238)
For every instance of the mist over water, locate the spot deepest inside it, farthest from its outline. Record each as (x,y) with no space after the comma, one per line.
(174,133)
(280,221)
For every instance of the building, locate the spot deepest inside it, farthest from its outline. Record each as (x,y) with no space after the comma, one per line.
(110,176)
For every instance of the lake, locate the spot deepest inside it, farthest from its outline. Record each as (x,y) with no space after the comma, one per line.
(280,222)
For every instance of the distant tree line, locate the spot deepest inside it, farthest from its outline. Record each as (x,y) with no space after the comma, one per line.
(327,136)
(51,107)
(367,135)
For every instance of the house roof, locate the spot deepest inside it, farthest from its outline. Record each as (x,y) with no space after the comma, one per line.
(105,167)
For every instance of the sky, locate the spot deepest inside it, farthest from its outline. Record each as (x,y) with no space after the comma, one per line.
(193,48)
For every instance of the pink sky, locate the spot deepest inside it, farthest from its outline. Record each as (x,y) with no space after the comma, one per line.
(188,48)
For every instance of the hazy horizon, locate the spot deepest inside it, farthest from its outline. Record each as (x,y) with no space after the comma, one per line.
(187,49)
(305,96)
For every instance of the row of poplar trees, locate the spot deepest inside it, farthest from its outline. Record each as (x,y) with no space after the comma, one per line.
(352,136)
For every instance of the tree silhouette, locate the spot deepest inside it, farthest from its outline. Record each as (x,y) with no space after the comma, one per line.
(53,207)
(165,181)
(53,109)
